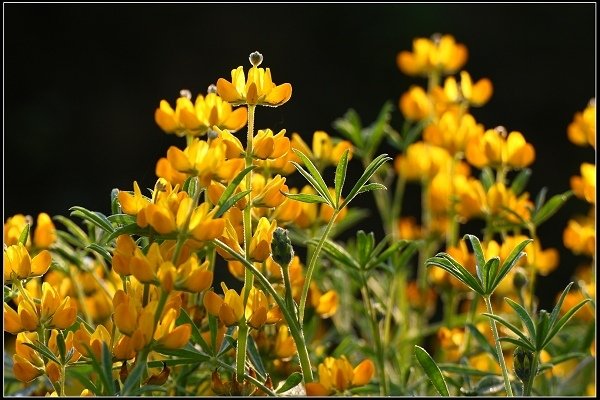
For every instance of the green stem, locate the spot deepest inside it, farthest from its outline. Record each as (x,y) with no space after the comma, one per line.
(289,300)
(255,381)
(532,270)
(397,206)
(288,315)
(528,386)
(62,381)
(312,265)
(507,387)
(247,224)
(470,318)
(364,290)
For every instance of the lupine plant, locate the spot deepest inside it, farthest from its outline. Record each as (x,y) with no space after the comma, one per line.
(128,303)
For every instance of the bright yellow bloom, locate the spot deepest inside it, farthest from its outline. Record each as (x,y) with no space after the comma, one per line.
(325,151)
(499,199)
(584,186)
(132,204)
(45,231)
(24,370)
(580,236)
(260,245)
(259,89)
(13,227)
(122,254)
(200,158)
(193,276)
(474,94)
(56,311)
(325,304)
(495,149)
(415,104)
(19,265)
(453,132)
(285,347)
(145,266)
(229,310)
(271,194)
(196,119)
(421,161)
(170,336)
(165,170)
(338,375)
(440,54)
(451,340)
(582,130)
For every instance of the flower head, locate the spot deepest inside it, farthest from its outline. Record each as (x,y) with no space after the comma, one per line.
(439,54)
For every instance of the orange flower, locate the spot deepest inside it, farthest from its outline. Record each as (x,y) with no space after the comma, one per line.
(439,54)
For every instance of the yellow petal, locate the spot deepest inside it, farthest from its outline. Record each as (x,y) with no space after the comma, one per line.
(279,95)
(24,370)
(236,120)
(41,263)
(227,91)
(363,373)
(12,322)
(177,338)
(178,159)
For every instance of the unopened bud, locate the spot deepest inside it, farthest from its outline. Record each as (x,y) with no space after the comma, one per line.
(522,360)
(592,102)
(255,58)
(185,93)
(212,134)
(520,278)
(436,38)
(281,248)
(212,89)
(501,130)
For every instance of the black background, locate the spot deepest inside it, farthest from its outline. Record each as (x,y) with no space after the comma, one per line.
(82,83)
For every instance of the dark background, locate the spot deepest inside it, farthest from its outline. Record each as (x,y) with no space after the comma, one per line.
(82,83)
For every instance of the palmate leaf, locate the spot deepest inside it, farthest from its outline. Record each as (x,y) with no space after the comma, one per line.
(316,179)
(513,329)
(561,322)
(95,217)
(432,370)
(446,262)
(524,316)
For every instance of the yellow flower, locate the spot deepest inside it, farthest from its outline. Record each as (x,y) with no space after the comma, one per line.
(169,335)
(202,225)
(271,194)
(441,54)
(200,158)
(56,311)
(474,94)
(13,227)
(584,186)
(499,199)
(453,132)
(285,347)
(132,204)
(326,304)
(421,161)
(165,170)
(24,370)
(338,375)
(259,89)
(196,119)
(496,149)
(415,104)
(580,236)
(270,146)
(19,265)
(144,266)
(193,277)
(45,231)
(260,245)
(229,310)
(582,130)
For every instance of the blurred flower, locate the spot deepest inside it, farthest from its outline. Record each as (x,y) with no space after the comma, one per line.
(474,94)
(453,132)
(337,375)
(440,54)
(496,149)
(13,227)
(415,104)
(584,186)
(582,130)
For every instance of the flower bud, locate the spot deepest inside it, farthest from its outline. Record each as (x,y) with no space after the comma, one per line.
(255,58)
(520,278)
(281,247)
(522,360)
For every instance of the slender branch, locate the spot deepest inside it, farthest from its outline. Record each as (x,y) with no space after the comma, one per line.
(509,392)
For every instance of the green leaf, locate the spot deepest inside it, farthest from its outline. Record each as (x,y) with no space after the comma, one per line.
(132,382)
(43,350)
(107,365)
(367,174)
(512,328)
(490,269)
(234,184)
(305,197)
(230,202)
(95,217)
(479,257)
(520,181)
(510,261)
(376,131)
(487,178)
(314,173)
(350,126)
(190,185)
(100,250)
(255,358)
(149,388)
(524,316)
(561,322)
(338,253)
(340,176)
(84,379)
(131,229)
(518,343)
(75,230)
(122,219)
(371,186)
(446,262)
(483,342)
(406,253)
(551,207)
(364,246)
(24,235)
(292,381)
(462,369)
(187,352)
(559,303)
(542,328)
(432,371)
